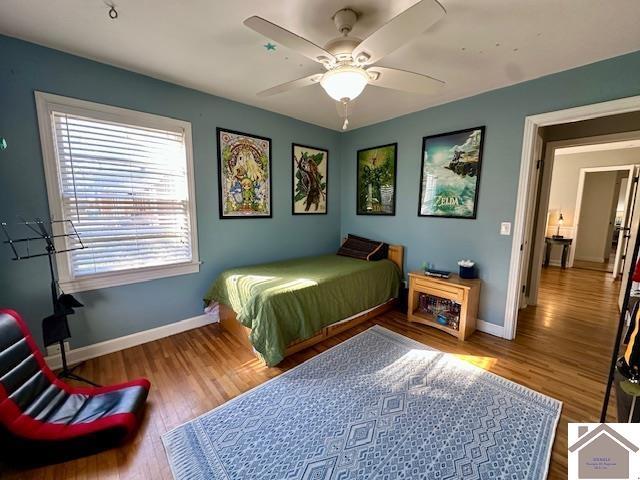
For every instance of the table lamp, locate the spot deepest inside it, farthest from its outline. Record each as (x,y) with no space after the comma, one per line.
(560,223)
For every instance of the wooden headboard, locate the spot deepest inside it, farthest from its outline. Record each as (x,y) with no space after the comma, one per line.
(396,255)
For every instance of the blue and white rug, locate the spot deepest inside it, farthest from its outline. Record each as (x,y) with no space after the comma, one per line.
(378,405)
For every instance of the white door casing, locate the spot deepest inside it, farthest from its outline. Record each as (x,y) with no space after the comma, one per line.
(631,238)
(531,210)
(538,243)
(625,226)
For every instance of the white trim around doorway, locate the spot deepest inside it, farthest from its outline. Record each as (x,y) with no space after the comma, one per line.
(527,167)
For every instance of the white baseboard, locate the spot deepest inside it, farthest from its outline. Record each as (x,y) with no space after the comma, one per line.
(114,345)
(555,263)
(490,328)
(109,346)
(590,259)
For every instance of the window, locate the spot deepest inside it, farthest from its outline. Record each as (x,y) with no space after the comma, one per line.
(125,180)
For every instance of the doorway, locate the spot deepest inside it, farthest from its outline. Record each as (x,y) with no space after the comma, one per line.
(604,208)
(593,242)
(584,219)
(574,221)
(614,117)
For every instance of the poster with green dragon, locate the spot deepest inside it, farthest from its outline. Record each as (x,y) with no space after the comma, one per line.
(376,181)
(310,169)
(244,175)
(450,174)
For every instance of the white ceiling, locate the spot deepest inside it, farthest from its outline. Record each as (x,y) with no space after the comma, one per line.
(480,45)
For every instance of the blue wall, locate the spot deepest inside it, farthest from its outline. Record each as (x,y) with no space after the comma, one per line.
(117,311)
(445,241)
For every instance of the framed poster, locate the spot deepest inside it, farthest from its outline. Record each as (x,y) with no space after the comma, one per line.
(450,174)
(244,175)
(310,167)
(376,180)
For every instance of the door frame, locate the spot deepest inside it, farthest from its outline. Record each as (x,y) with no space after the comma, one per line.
(538,243)
(527,166)
(530,221)
(630,238)
(576,216)
(627,218)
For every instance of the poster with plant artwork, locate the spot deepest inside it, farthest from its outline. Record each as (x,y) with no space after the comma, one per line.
(310,169)
(376,181)
(450,174)
(244,175)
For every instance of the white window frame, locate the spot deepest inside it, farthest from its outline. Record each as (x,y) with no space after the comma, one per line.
(46,103)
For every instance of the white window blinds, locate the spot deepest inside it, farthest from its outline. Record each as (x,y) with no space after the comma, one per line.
(125,187)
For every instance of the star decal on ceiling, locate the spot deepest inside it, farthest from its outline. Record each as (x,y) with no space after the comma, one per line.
(270,46)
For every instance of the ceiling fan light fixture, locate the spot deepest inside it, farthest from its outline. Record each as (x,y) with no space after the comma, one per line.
(344,82)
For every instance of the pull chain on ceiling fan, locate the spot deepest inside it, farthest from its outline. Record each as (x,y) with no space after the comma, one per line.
(350,61)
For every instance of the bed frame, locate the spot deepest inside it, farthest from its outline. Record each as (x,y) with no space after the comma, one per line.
(229,322)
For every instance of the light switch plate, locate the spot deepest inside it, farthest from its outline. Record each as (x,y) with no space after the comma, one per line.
(505,228)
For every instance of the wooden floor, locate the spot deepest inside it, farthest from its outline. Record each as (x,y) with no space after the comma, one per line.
(562,350)
(600,266)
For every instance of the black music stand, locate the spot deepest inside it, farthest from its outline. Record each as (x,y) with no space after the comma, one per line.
(55,328)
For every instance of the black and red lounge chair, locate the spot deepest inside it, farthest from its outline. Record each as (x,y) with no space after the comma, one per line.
(42,419)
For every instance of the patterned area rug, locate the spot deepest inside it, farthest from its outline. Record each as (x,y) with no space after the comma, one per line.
(378,405)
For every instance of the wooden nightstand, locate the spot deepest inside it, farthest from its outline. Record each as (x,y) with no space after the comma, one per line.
(465,293)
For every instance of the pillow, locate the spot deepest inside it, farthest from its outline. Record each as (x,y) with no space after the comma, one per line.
(363,248)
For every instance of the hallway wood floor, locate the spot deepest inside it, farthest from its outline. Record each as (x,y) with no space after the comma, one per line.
(562,350)
(600,266)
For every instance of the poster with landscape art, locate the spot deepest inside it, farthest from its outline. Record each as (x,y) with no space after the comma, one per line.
(450,174)
(244,175)
(310,169)
(376,181)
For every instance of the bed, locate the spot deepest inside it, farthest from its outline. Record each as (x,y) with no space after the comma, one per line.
(283,307)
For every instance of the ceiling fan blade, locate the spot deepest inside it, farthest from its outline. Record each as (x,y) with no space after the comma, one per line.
(289,40)
(399,30)
(285,87)
(403,80)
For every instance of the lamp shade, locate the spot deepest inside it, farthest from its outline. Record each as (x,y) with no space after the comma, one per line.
(344,82)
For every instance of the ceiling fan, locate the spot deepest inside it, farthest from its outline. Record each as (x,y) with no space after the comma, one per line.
(350,61)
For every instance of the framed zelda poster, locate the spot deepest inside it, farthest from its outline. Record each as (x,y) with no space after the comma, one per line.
(376,180)
(310,169)
(244,175)
(450,174)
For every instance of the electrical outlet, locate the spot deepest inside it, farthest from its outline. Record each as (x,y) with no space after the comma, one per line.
(55,349)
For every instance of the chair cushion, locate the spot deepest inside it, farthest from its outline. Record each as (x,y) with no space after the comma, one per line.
(36,406)
(82,408)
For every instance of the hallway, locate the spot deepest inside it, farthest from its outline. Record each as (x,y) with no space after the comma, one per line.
(574,327)
(601,267)
(576,304)
(577,311)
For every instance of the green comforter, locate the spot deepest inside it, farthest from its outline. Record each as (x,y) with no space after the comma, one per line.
(292,300)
